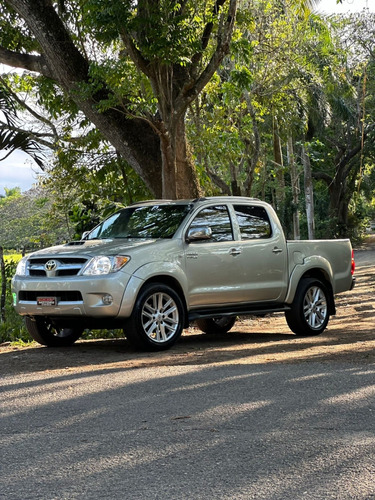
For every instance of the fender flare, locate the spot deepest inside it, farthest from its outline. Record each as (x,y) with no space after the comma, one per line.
(315,266)
(167,272)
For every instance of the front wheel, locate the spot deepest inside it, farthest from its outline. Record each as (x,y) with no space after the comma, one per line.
(309,314)
(157,320)
(218,324)
(47,333)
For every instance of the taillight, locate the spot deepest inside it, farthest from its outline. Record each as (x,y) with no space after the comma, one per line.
(353,263)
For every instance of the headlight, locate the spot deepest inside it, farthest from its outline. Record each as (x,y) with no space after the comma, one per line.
(105,265)
(21,267)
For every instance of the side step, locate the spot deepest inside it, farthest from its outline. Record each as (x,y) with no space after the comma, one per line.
(235,310)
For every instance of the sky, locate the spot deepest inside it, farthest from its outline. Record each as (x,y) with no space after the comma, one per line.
(331,6)
(19,171)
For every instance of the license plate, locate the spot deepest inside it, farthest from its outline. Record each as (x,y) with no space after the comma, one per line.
(46,301)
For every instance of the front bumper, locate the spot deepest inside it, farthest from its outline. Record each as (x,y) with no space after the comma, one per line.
(76,296)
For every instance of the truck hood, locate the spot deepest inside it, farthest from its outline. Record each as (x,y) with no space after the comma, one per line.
(92,248)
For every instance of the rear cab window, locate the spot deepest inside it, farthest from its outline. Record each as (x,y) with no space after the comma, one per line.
(253,222)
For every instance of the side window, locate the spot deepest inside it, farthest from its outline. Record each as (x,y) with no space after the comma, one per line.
(217,218)
(253,221)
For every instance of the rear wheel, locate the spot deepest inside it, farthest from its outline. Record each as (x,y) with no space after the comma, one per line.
(157,320)
(310,309)
(218,324)
(44,331)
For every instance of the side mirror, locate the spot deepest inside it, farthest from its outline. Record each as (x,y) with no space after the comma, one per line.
(199,233)
(83,237)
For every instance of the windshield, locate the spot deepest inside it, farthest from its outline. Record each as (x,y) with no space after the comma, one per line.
(154,221)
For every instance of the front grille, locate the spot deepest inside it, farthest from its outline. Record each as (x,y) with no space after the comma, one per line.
(69,296)
(65,266)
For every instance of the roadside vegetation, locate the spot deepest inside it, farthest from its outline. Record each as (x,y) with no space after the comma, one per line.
(161,99)
(11,324)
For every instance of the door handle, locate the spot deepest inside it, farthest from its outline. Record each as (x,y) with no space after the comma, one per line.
(235,251)
(277,250)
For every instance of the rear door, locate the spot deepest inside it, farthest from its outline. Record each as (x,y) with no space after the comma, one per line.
(263,255)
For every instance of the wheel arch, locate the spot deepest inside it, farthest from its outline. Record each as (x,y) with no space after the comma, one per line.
(317,273)
(136,285)
(159,315)
(173,283)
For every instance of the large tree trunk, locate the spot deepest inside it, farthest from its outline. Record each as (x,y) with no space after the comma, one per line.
(186,178)
(339,195)
(134,139)
(235,187)
(342,185)
(179,177)
(155,147)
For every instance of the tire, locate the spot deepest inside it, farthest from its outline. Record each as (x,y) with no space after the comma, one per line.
(46,333)
(218,324)
(157,320)
(310,309)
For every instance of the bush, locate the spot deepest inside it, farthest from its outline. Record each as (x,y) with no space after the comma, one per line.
(12,329)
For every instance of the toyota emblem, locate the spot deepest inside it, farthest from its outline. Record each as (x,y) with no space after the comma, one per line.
(51,265)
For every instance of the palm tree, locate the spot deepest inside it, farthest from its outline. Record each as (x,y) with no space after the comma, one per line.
(11,137)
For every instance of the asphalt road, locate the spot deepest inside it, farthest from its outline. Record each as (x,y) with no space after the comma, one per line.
(272,431)
(236,420)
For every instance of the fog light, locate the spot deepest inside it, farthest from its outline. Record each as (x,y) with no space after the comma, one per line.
(107,299)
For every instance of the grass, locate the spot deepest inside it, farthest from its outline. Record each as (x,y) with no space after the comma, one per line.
(12,329)
(15,257)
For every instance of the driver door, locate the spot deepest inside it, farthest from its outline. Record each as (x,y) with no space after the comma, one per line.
(212,265)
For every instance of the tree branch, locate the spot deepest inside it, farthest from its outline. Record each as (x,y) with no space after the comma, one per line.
(37,137)
(322,176)
(69,68)
(344,164)
(134,53)
(207,33)
(24,61)
(216,179)
(30,110)
(353,152)
(191,90)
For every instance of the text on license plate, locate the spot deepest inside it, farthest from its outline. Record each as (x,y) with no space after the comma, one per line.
(46,301)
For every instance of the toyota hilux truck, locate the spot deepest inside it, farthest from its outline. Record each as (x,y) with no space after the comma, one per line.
(154,267)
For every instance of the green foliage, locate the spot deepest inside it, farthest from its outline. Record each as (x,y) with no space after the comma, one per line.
(26,221)
(83,217)
(312,78)
(11,137)
(14,34)
(13,328)
(165,31)
(10,267)
(86,187)
(298,74)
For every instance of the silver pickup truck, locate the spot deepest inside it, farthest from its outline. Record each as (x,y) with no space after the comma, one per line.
(155,266)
